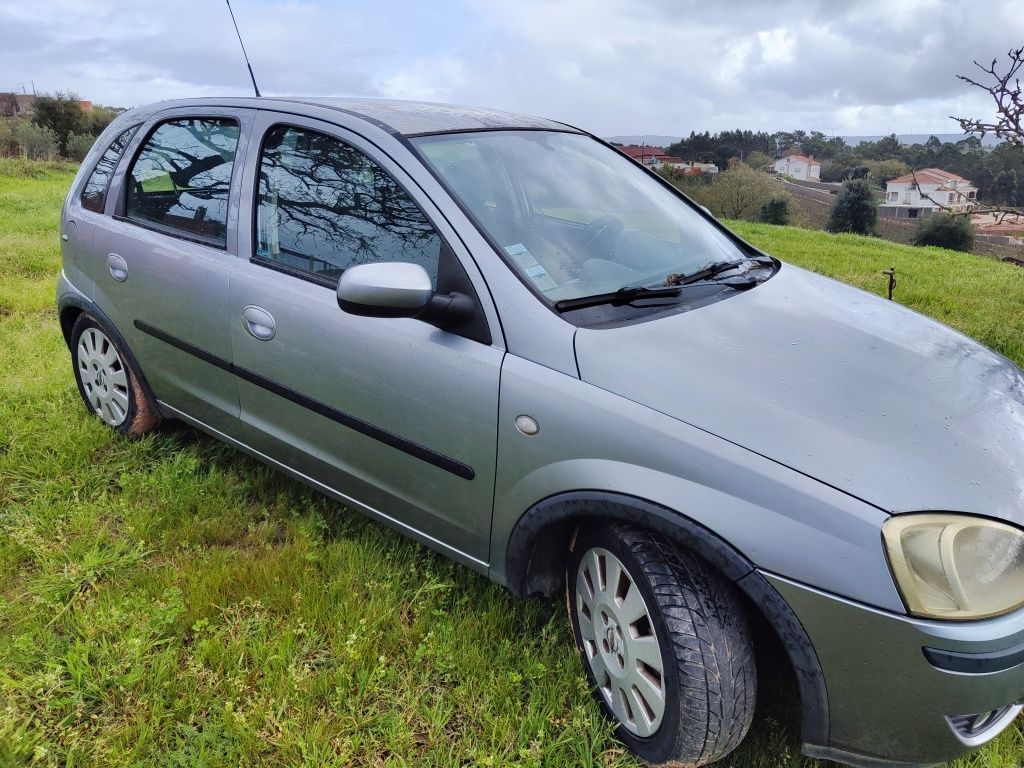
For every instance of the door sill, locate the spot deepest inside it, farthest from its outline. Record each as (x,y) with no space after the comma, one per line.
(404,528)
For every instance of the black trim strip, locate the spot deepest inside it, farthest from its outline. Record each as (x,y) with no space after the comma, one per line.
(975,663)
(423,453)
(309,277)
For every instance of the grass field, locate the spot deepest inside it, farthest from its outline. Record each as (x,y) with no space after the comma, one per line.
(169,602)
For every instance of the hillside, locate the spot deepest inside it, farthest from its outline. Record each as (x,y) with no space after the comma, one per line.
(170,601)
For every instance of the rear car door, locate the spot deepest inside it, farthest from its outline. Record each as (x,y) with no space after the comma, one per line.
(88,209)
(164,257)
(395,416)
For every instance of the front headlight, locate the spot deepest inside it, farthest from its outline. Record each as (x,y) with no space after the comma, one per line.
(955,566)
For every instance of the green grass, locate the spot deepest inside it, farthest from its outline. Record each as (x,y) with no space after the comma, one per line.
(169,602)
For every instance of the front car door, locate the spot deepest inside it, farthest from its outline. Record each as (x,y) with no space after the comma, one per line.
(162,260)
(393,415)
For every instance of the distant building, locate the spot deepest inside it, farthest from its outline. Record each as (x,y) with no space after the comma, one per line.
(799,167)
(924,192)
(642,154)
(24,105)
(656,157)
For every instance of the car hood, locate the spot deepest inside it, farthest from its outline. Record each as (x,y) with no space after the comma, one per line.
(856,391)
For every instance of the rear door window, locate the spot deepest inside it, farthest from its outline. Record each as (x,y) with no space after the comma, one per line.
(181,178)
(94,194)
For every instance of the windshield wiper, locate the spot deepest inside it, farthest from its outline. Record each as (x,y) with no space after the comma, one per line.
(629,294)
(708,271)
(621,296)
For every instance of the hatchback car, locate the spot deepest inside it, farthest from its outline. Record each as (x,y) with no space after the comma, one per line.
(509,341)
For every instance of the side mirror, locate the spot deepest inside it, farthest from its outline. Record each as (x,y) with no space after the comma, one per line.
(401,289)
(385,289)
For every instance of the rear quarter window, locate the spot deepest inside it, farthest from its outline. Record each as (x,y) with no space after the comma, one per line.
(94,193)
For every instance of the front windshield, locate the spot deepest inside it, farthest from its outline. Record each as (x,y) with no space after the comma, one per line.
(574,216)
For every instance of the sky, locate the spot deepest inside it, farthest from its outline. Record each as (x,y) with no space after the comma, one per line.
(845,67)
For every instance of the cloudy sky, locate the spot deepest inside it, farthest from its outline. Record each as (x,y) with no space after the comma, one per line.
(612,66)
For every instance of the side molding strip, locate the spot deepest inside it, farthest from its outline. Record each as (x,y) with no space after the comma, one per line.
(421,452)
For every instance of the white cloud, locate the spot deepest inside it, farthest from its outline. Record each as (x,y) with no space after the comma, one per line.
(613,66)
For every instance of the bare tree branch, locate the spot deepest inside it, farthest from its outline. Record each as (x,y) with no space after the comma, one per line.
(1005,90)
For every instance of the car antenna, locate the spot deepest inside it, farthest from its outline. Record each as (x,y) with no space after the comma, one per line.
(246,55)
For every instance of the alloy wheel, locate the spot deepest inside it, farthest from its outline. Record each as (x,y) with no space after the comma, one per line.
(103,376)
(619,641)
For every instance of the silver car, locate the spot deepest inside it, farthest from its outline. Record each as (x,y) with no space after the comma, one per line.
(515,345)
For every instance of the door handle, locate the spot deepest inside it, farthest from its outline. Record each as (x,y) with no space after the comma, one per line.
(258,323)
(118,267)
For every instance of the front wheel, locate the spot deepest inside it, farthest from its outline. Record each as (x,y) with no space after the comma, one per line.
(664,642)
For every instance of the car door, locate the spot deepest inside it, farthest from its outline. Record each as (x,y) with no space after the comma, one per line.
(164,257)
(87,209)
(395,416)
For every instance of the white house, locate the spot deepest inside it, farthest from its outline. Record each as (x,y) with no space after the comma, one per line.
(927,191)
(799,167)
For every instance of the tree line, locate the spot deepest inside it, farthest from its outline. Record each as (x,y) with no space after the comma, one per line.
(998,172)
(57,128)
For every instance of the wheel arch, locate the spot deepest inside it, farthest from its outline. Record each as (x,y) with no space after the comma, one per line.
(537,550)
(72,305)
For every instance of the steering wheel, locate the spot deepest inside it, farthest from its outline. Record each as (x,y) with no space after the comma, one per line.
(598,238)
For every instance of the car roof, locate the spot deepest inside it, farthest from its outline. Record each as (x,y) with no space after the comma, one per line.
(406,118)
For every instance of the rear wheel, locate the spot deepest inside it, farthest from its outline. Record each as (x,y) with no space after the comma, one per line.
(107,381)
(664,642)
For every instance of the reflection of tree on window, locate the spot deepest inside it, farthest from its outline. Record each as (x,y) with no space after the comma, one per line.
(94,195)
(182,177)
(324,206)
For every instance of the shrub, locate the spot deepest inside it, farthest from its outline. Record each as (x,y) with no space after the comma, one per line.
(79,145)
(886,170)
(60,113)
(854,209)
(8,144)
(35,141)
(759,161)
(775,211)
(740,192)
(945,231)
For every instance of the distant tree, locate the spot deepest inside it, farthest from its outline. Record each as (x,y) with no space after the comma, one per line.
(36,142)
(842,167)
(854,209)
(739,193)
(8,105)
(887,148)
(1005,188)
(100,117)
(775,211)
(721,147)
(8,144)
(822,147)
(885,170)
(758,160)
(62,114)
(79,145)
(945,231)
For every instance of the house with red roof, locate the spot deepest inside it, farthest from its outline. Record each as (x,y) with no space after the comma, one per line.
(656,157)
(924,192)
(798,167)
(643,154)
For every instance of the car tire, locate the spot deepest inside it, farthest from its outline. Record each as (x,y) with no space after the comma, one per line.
(108,380)
(635,600)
